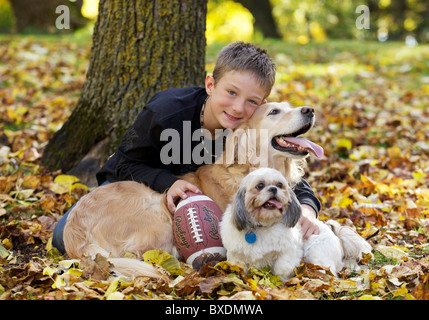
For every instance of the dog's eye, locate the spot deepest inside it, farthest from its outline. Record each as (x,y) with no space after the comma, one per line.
(260,186)
(274,111)
(280,185)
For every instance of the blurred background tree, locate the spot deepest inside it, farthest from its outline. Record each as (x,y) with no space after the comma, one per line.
(301,21)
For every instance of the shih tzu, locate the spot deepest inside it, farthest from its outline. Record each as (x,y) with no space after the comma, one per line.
(260,228)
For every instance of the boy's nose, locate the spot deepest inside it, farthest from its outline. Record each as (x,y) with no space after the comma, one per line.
(238,108)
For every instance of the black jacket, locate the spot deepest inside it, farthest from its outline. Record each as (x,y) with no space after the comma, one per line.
(138,156)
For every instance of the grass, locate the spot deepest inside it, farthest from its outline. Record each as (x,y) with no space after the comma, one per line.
(380,260)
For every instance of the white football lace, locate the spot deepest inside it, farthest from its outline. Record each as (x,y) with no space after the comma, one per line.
(195,228)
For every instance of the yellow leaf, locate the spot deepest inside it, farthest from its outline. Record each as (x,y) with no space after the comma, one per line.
(69,263)
(116,296)
(391,252)
(4,253)
(228,266)
(49,246)
(112,288)
(59,282)
(7,243)
(394,152)
(58,188)
(65,180)
(22,194)
(345,202)
(345,285)
(48,271)
(419,176)
(365,179)
(65,184)
(253,284)
(369,297)
(165,260)
(31,182)
(17,154)
(400,292)
(16,114)
(344,143)
(303,39)
(369,230)
(75,272)
(79,185)
(409,296)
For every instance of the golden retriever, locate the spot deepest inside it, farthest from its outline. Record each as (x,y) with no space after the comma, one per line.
(130,217)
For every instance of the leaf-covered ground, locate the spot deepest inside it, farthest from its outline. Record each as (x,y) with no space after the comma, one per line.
(373,122)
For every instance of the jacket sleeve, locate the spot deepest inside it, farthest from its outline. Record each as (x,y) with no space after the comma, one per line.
(138,154)
(306,195)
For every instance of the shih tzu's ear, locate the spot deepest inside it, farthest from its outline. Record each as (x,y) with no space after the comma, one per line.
(240,216)
(292,211)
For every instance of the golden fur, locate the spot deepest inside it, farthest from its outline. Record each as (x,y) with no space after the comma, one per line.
(130,217)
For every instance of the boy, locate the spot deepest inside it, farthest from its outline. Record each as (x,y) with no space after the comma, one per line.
(242,79)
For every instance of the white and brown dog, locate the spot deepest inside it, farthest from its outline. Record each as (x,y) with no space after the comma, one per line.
(260,229)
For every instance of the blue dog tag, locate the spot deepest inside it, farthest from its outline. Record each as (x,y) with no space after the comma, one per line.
(250,237)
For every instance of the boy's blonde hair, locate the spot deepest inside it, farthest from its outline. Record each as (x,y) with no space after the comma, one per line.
(242,56)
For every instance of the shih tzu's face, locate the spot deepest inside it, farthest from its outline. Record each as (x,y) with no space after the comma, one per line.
(264,198)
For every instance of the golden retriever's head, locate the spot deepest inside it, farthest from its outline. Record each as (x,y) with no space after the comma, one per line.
(270,139)
(284,125)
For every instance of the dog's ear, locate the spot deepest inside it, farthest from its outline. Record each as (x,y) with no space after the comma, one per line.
(292,211)
(240,216)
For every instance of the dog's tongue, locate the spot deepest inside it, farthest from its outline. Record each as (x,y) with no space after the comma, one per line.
(275,203)
(307,144)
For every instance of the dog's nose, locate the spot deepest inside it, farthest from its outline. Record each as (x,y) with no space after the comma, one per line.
(273,190)
(307,111)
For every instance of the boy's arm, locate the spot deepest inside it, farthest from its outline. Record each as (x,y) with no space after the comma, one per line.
(310,206)
(306,196)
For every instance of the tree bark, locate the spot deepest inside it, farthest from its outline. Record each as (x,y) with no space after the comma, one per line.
(139,48)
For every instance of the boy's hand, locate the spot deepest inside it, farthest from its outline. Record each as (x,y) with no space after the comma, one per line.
(178,190)
(307,221)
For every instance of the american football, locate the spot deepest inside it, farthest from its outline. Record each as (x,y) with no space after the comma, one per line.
(196,227)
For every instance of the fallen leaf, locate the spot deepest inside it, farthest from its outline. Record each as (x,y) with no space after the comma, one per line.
(165,260)
(391,252)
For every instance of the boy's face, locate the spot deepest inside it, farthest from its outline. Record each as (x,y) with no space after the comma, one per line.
(233,99)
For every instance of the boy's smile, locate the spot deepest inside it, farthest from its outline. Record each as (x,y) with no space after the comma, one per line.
(232,99)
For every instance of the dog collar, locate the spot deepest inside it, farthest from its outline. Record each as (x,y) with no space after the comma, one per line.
(250,237)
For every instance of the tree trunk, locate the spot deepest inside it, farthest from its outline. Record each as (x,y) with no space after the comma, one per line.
(264,20)
(139,47)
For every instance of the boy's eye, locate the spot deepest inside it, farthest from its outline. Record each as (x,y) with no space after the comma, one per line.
(232,93)
(254,102)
